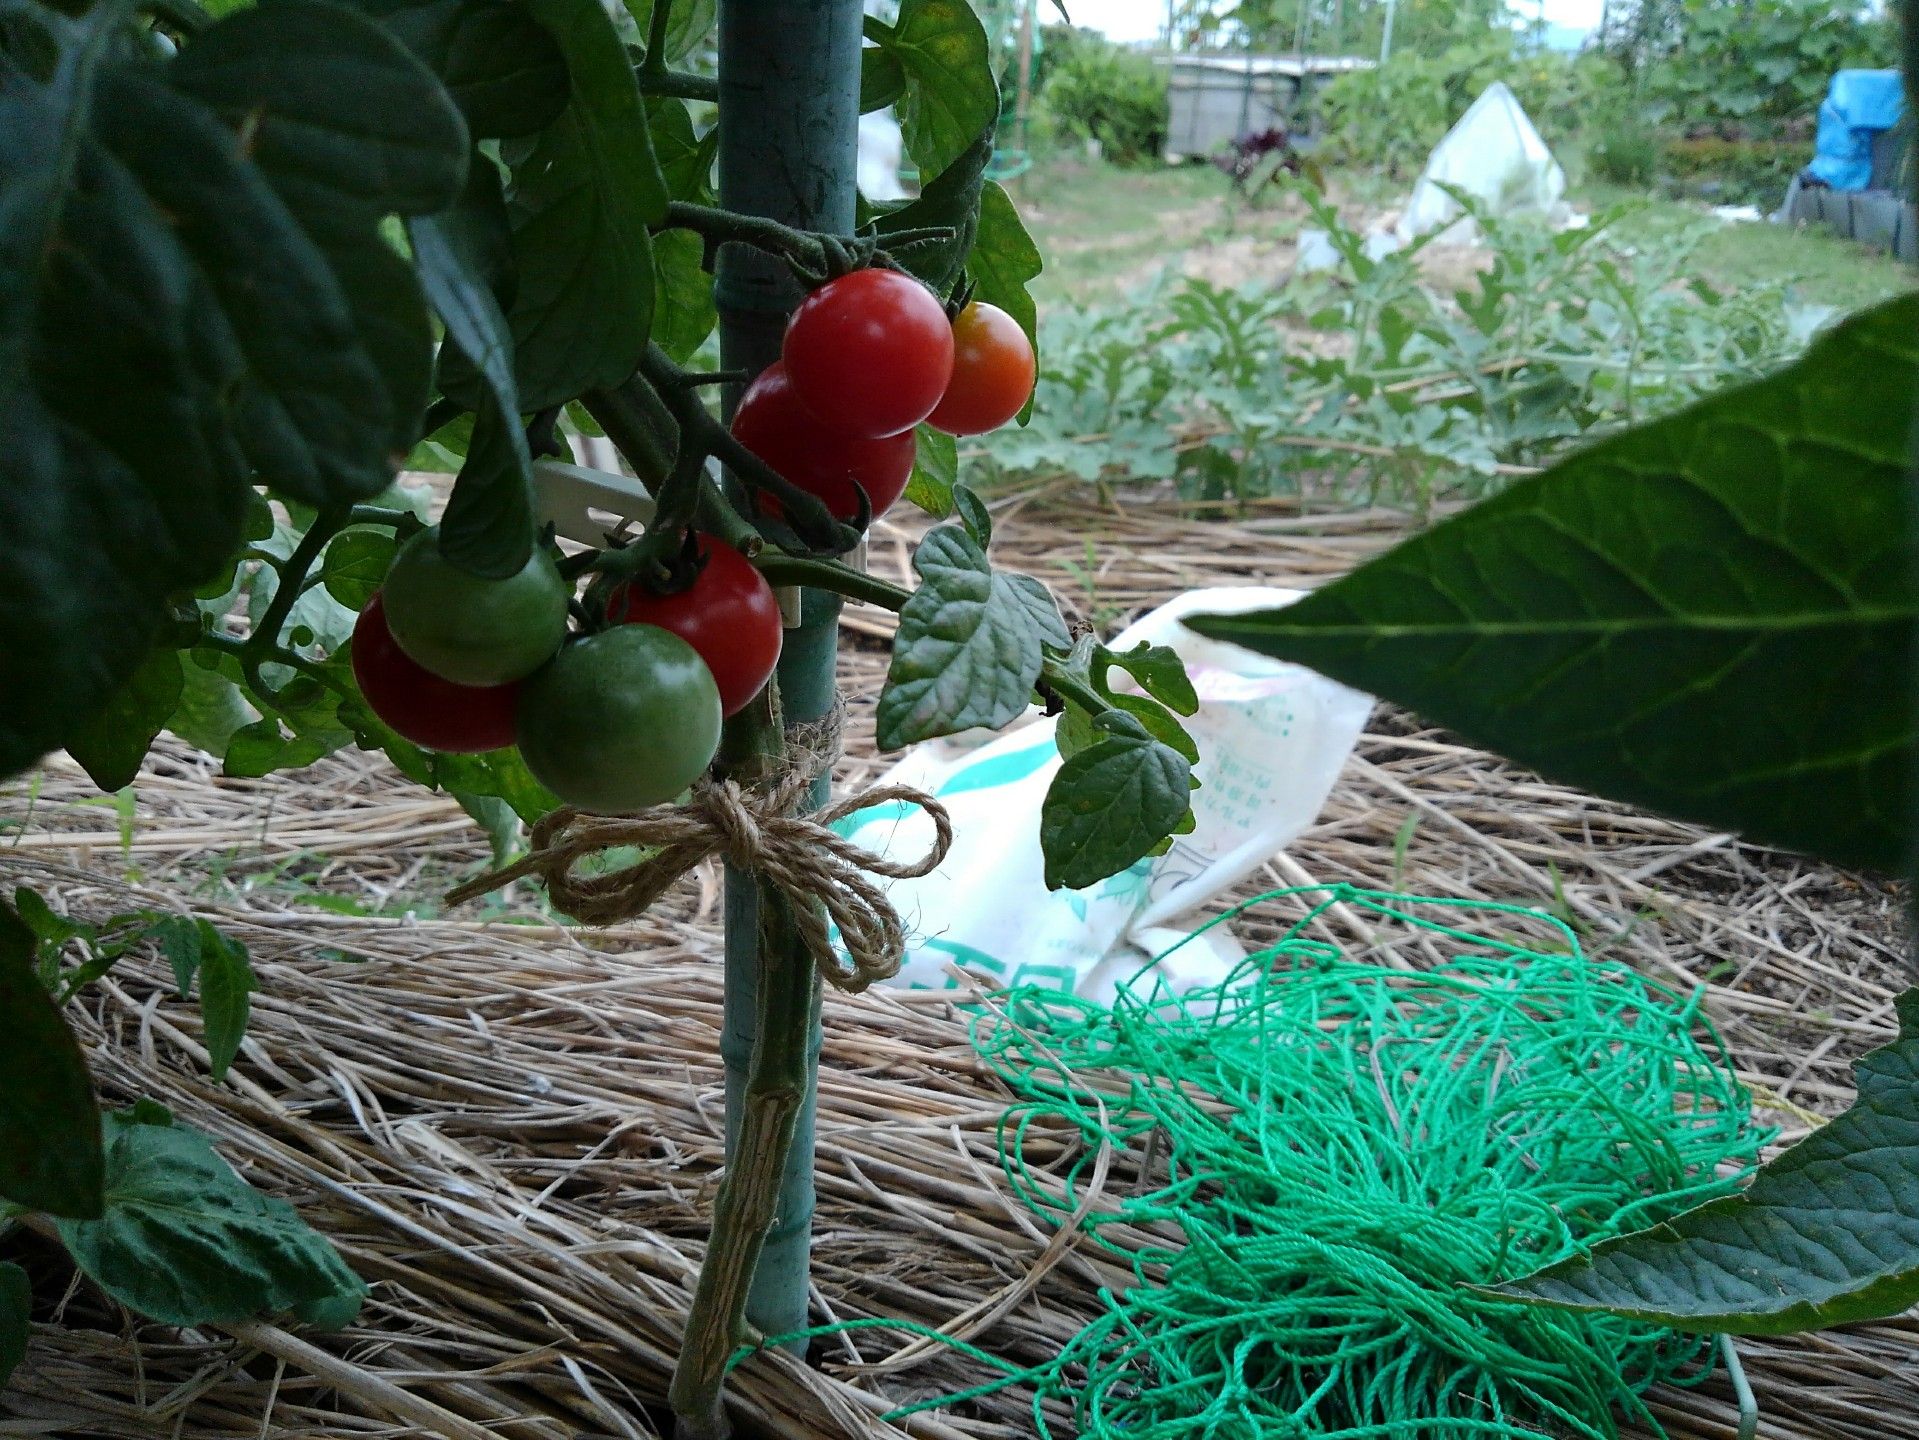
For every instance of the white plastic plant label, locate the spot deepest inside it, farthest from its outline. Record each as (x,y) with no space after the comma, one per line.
(1272,739)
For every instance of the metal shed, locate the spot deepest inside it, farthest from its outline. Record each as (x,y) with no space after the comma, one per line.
(1213,99)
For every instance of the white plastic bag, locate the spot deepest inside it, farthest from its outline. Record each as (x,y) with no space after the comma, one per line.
(1272,739)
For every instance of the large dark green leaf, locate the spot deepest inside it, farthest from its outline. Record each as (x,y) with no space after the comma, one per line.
(348,126)
(148,254)
(49,1126)
(1711,615)
(969,644)
(1826,1234)
(583,196)
(115,739)
(463,255)
(185,1241)
(1112,803)
(500,66)
(951,96)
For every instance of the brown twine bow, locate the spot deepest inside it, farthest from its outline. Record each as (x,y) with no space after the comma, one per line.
(823,874)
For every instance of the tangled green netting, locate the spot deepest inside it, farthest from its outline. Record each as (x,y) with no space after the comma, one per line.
(1307,1165)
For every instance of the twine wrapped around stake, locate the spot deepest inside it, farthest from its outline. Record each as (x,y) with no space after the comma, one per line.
(824,875)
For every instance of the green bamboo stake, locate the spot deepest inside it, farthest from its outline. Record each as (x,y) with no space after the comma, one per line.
(789,124)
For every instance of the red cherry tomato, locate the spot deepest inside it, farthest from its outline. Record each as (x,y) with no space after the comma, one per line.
(775,425)
(729,615)
(870,353)
(993,371)
(429,711)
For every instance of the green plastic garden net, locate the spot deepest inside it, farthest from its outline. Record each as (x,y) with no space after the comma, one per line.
(1309,1166)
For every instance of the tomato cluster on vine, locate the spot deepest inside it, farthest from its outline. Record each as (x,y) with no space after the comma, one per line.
(629,715)
(612,721)
(867,357)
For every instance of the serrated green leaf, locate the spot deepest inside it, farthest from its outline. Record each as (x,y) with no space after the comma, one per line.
(1826,1234)
(951,97)
(1160,722)
(355,563)
(49,927)
(1161,674)
(974,515)
(502,69)
(50,1156)
(969,644)
(227,984)
(488,527)
(1111,803)
(951,200)
(185,1241)
(1711,615)
(114,742)
(1003,261)
(180,939)
(935,471)
(266,746)
(16,1317)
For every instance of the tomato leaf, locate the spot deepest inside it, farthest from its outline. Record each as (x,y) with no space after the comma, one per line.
(1111,803)
(1826,1234)
(583,196)
(950,96)
(935,472)
(354,565)
(973,514)
(185,1241)
(1712,615)
(145,255)
(950,200)
(463,254)
(348,127)
(115,739)
(50,1155)
(227,984)
(685,314)
(969,644)
(687,27)
(501,68)
(16,1317)
(1003,260)
(1160,673)
(882,78)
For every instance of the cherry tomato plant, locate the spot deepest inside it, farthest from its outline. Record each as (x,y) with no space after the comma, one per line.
(492,226)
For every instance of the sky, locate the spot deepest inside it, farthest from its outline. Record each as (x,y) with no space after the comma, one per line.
(1127,20)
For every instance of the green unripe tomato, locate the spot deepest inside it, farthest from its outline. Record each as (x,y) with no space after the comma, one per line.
(473,631)
(621,720)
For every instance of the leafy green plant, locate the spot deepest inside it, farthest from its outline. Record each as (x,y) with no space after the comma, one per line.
(145,1207)
(1770,59)
(255,262)
(1712,615)
(1392,116)
(1363,383)
(1107,94)
(1623,149)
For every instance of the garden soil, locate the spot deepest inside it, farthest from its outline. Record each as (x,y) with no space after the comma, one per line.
(513,1128)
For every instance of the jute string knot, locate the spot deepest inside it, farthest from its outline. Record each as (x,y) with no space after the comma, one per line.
(829,880)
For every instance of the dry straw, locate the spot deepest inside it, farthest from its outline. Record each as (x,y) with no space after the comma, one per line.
(512,1126)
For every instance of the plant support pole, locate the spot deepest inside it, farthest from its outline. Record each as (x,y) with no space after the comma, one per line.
(789,126)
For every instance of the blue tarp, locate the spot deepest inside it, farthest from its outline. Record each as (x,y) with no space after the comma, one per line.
(1858,105)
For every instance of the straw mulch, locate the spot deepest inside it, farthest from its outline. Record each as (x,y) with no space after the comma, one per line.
(513,1129)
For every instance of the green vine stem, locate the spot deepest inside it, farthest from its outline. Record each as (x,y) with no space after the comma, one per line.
(263,644)
(775,1092)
